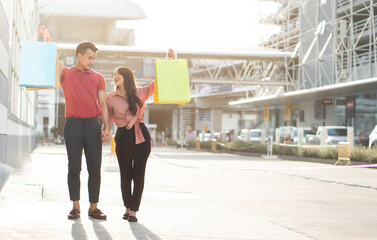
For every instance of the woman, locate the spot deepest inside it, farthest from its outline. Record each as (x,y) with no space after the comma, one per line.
(133,145)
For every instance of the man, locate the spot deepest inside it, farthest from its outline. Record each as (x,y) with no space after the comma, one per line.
(85,98)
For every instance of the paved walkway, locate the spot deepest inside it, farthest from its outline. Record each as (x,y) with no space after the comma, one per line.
(195,195)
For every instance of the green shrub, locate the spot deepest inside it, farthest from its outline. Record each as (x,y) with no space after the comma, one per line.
(289,151)
(360,153)
(372,155)
(328,153)
(260,148)
(191,144)
(310,152)
(206,145)
(171,142)
(240,146)
(276,149)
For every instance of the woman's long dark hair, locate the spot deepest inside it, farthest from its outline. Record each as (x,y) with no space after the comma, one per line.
(130,87)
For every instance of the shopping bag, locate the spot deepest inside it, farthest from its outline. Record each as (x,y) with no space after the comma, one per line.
(38,68)
(172,84)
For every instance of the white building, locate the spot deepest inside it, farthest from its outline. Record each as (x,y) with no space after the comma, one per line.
(18,137)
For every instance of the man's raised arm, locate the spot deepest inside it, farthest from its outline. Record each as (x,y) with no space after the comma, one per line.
(43,31)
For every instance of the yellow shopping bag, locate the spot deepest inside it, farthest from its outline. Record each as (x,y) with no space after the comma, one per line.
(38,69)
(172,84)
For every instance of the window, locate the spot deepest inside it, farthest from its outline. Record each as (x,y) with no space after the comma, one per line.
(255,134)
(337,132)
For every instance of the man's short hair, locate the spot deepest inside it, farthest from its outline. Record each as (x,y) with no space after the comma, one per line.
(85,45)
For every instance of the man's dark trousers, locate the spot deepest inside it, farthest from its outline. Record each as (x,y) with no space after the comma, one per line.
(79,134)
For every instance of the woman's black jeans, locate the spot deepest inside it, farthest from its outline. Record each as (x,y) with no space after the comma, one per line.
(132,161)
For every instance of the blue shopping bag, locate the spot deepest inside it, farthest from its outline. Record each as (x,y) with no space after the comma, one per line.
(38,65)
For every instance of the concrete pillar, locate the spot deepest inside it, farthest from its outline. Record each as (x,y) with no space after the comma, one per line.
(242,117)
(180,119)
(186,135)
(277,135)
(175,124)
(248,135)
(146,115)
(196,116)
(235,135)
(223,136)
(213,145)
(217,116)
(350,136)
(323,136)
(263,136)
(300,134)
(239,128)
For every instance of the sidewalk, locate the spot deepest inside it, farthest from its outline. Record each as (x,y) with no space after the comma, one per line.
(193,195)
(34,205)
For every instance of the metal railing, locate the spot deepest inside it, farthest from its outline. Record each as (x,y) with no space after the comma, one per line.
(359,26)
(346,58)
(291,25)
(341,3)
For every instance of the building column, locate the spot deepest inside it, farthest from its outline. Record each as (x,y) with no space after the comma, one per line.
(217,116)
(175,124)
(146,115)
(196,116)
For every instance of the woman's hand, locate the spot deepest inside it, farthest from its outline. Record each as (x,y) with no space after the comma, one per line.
(170,55)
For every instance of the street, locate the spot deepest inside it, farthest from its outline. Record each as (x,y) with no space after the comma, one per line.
(195,195)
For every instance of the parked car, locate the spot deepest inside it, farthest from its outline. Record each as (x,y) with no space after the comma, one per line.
(255,135)
(204,137)
(306,131)
(335,135)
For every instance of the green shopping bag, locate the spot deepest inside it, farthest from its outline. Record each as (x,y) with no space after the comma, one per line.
(172,84)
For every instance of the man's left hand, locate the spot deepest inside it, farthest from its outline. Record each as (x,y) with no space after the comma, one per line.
(105,134)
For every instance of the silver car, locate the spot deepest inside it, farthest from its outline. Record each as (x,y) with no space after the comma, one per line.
(255,135)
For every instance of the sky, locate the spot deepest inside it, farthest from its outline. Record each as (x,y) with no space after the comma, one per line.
(205,24)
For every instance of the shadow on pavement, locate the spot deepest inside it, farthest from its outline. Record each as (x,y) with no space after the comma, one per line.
(142,233)
(4,174)
(100,231)
(78,232)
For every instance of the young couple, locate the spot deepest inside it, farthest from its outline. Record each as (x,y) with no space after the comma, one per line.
(85,102)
